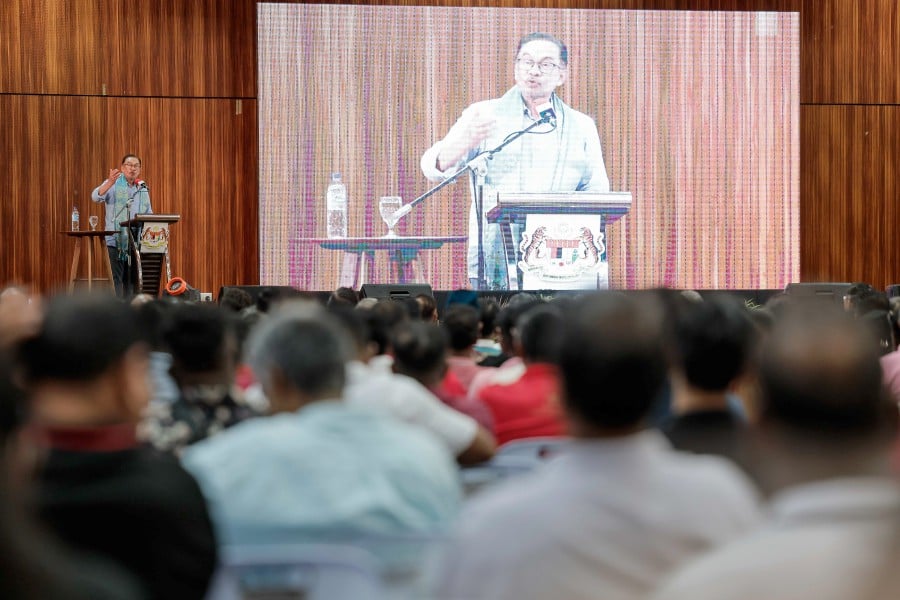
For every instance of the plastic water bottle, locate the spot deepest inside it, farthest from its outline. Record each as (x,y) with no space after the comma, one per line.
(336,207)
(76,220)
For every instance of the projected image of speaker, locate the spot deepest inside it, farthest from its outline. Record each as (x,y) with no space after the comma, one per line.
(398,290)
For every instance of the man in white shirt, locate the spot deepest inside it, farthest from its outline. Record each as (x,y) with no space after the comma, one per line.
(617,510)
(833,531)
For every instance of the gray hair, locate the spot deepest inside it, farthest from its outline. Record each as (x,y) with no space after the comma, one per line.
(306,345)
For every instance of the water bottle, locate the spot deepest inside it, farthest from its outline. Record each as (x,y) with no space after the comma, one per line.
(76,220)
(336,207)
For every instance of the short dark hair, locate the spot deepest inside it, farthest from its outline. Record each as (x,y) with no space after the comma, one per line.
(196,335)
(420,349)
(820,373)
(489,309)
(612,362)
(537,35)
(235,299)
(343,295)
(510,313)
(541,333)
(461,324)
(82,337)
(427,307)
(712,343)
(127,156)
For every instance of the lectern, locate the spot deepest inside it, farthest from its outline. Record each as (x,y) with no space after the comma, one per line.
(149,239)
(557,240)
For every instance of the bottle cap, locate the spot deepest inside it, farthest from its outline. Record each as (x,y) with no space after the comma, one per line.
(335,176)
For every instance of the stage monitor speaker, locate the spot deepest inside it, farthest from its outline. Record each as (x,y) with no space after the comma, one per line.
(893,290)
(398,290)
(824,291)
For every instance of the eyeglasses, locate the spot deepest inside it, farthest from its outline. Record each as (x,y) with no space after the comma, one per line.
(133,165)
(545,66)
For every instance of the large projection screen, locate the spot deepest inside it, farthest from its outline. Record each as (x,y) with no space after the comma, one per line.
(697,112)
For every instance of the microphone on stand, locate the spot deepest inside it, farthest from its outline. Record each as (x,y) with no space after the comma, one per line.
(548,115)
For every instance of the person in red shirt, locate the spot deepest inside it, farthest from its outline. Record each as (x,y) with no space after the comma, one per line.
(529,405)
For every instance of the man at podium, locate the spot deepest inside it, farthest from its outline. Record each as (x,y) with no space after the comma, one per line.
(124,195)
(562,155)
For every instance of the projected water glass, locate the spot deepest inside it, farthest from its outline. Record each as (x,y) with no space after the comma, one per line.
(94,220)
(388,207)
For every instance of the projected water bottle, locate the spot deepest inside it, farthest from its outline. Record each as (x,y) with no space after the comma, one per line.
(336,207)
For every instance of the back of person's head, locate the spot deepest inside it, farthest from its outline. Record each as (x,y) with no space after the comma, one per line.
(13,407)
(462,326)
(235,299)
(355,325)
(820,376)
(861,298)
(302,349)
(201,338)
(712,342)
(80,339)
(420,352)
(509,314)
(344,296)
(153,319)
(489,308)
(540,334)
(382,318)
(413,309)
(427,308)
(612,361)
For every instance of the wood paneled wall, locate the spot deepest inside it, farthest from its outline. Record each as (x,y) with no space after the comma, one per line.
(84,81)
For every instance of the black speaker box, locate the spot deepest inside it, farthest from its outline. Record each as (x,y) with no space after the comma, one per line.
(392,290)
(825,291)
(256,290)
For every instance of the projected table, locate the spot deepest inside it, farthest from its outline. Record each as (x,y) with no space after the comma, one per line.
(403,253)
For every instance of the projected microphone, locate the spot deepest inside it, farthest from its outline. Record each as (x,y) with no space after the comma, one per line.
(402,211)
(548,115)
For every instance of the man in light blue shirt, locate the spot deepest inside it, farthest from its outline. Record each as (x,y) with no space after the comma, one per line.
(563,156)
(318,469)
(124,194)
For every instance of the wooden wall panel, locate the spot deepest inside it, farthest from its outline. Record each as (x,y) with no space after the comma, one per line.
(50,47)
(849,212)
(185,48)
(849,52)
(200,161)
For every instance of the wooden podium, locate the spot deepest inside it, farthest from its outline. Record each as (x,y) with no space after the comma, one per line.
(514,208)
(149,237)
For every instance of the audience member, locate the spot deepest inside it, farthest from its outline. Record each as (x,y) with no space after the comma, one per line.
(152,319)
(420,352)
(825,434)
(204,346)
(344,296)
(427,308)
(616,510)
(509,366)
(529,405)
(99,490)
(235,299)
(319,468)
(710,353)
(406,399)
(462,326)
(33,564)
(488,340)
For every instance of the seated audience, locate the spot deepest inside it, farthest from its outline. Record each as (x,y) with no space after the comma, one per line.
(488,341)
(462,326)
(529,406)
(153,319)
(825,434)
(509,366)
(343,296)
(202,339)
(427,308)
(99,490)
(709,354)
(405,398)
(420,352)
(235,299)
(318,467)
(617,509)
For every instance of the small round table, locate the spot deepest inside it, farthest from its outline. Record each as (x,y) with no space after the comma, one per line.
(92,237)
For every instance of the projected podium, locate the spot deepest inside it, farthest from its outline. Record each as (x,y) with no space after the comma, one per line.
(149,238)
(557,240)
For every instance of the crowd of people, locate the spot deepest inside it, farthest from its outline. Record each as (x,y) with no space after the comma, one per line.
(702,448)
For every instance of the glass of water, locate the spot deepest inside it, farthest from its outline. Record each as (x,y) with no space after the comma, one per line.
(388,207)
(94,220)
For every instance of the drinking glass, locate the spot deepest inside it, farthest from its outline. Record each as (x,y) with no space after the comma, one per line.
(388,207)
(94,220)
